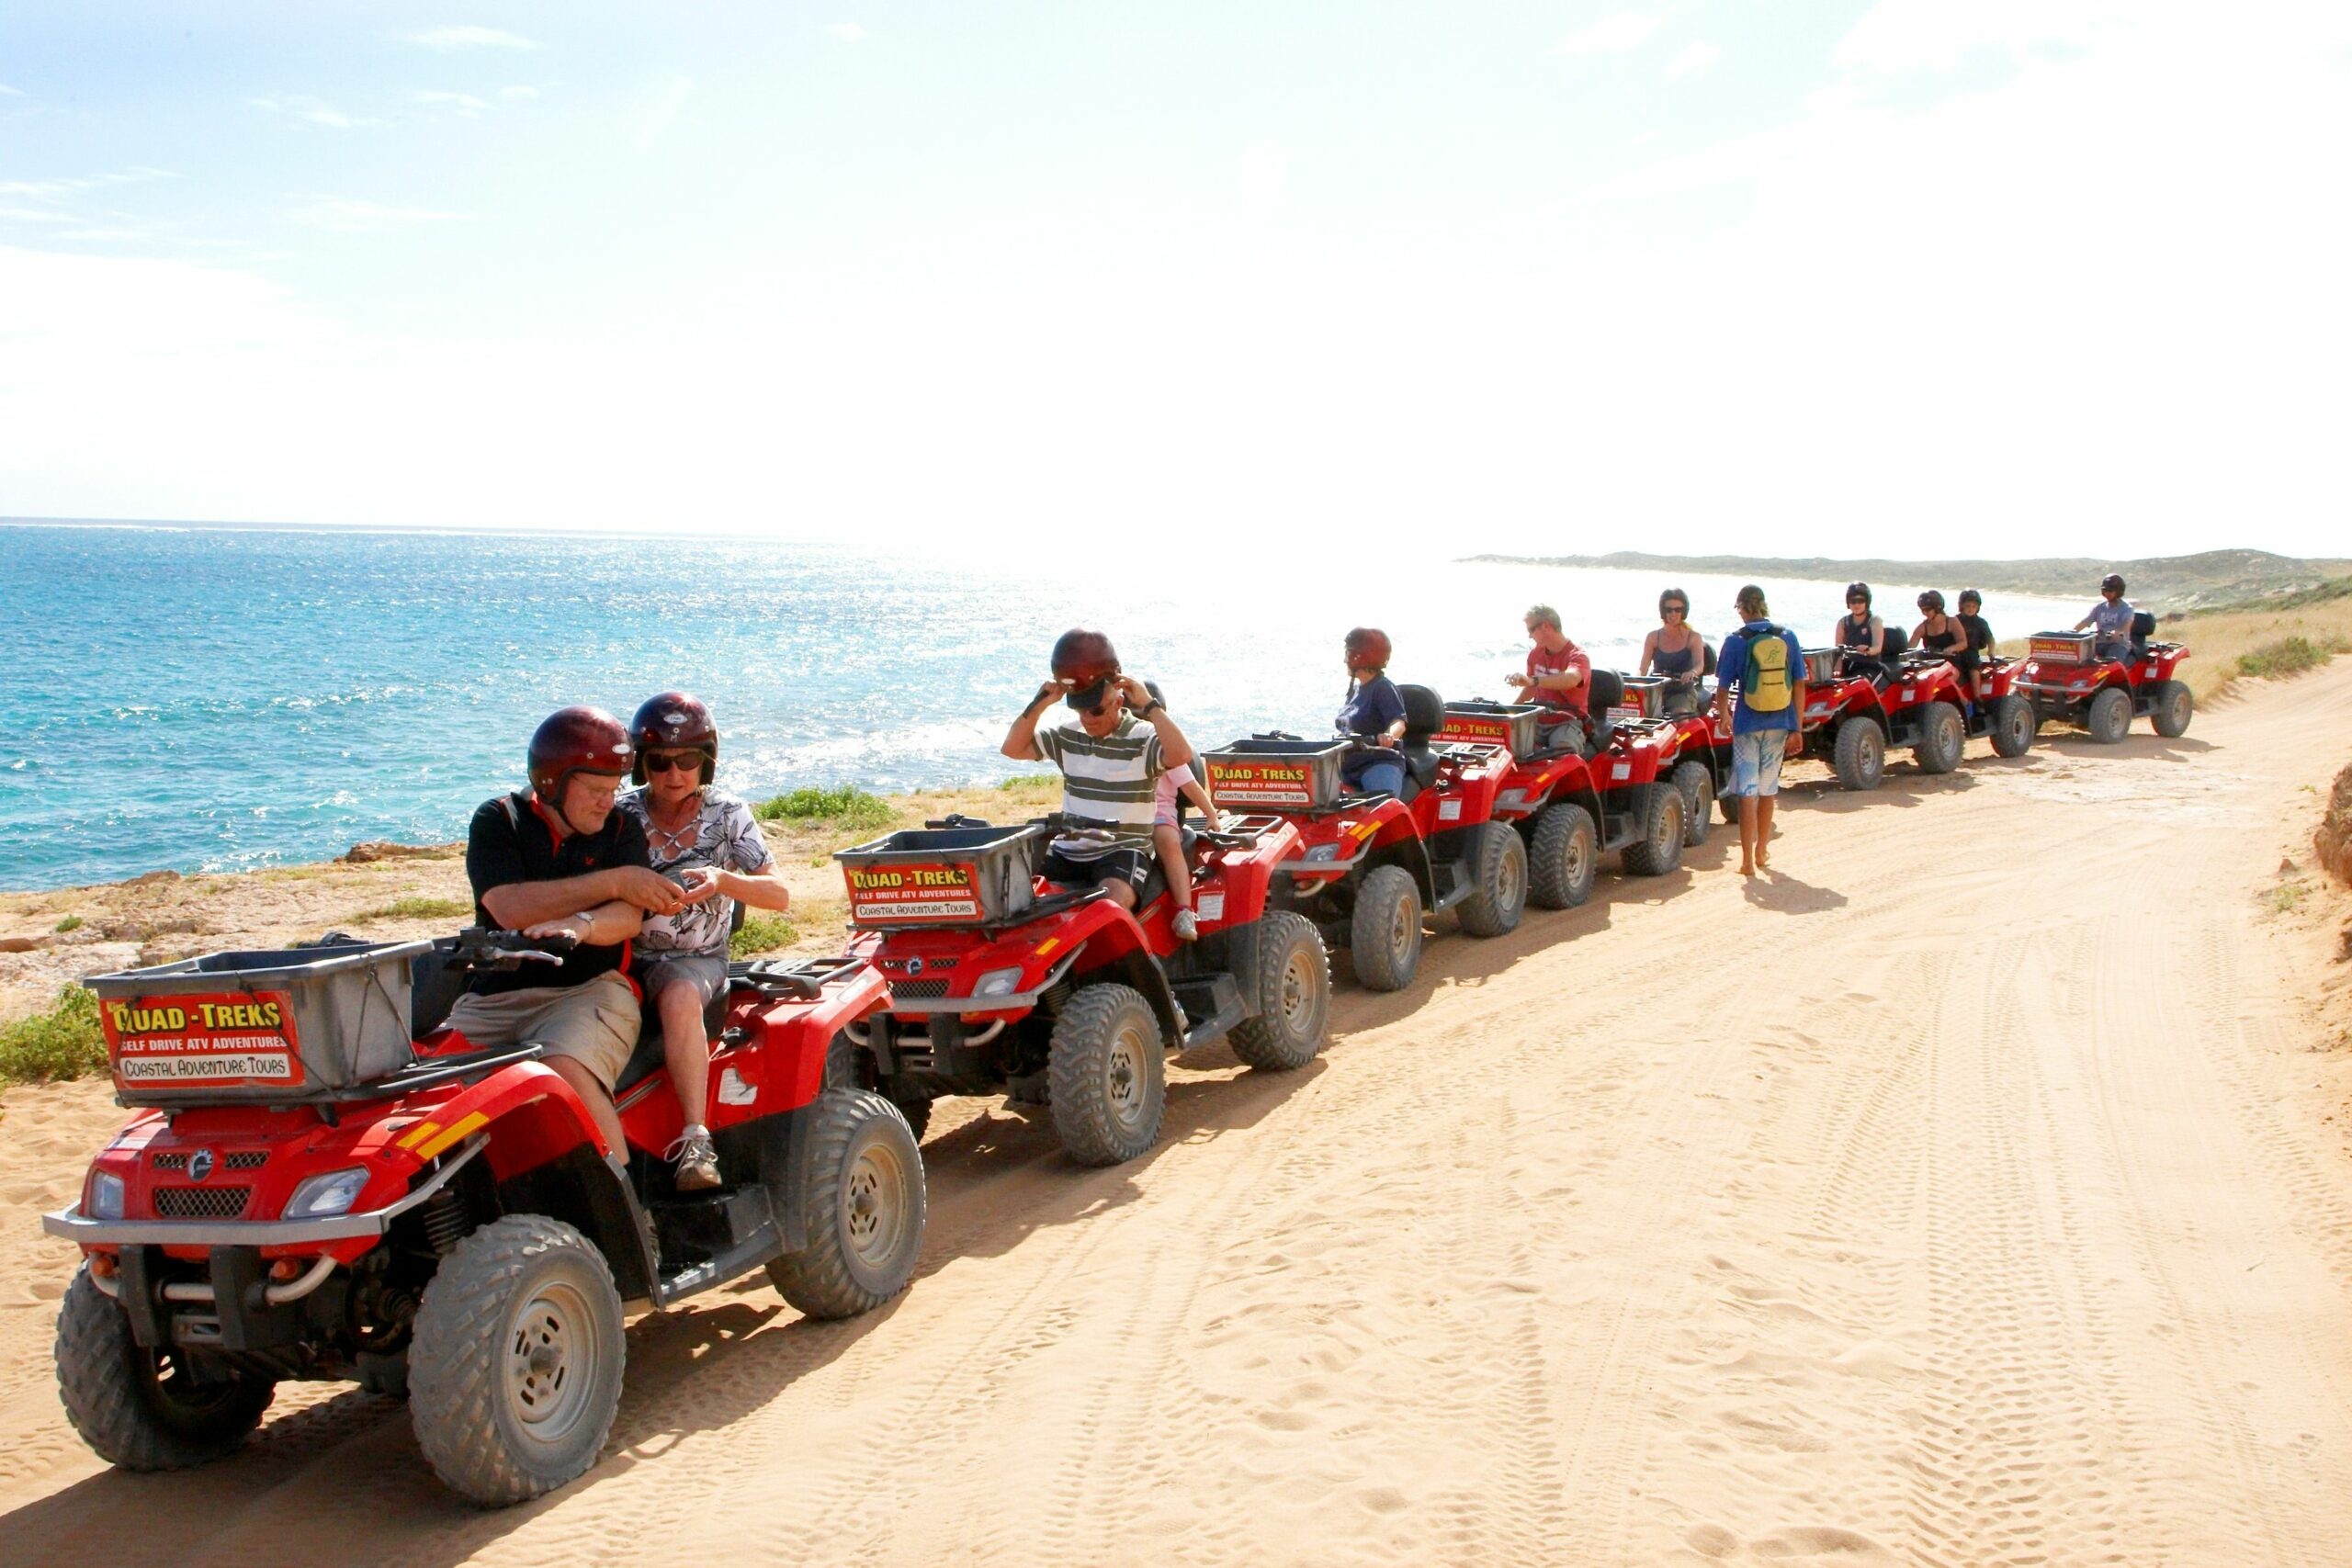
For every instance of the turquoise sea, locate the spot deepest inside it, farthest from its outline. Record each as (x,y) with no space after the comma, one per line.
(220,698)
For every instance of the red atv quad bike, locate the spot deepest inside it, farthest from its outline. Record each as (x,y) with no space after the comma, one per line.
(1001,982)
(1648,792)
(2068,684)
(319,1183)
(1859,707)
(1368,867)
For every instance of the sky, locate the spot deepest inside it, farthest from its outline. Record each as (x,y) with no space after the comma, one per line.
(1989,278)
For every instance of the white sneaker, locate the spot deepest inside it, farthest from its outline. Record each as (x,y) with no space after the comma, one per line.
(1186,928)
(697,1157)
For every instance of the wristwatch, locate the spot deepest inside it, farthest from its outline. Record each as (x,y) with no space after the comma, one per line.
(1149,708)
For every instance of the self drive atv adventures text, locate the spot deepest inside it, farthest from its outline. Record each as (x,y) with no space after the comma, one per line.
(1060,995)
(383,1202)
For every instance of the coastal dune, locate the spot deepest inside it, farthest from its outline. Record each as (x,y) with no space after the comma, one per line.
(1970,1191)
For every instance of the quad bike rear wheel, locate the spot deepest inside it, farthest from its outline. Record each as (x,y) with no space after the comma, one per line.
(1499,873)
(1287,981)
(515,1369)
(144,1409)
(1697,783)
(1943,735)
(1659,849)
(2174,706)
(2110,718)
(1384,932)
(1106,1075)
(1859,754)
(859,1194)
(1564,857)
(2013,727)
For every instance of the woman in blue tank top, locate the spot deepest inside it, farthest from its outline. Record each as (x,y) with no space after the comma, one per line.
(1675,651)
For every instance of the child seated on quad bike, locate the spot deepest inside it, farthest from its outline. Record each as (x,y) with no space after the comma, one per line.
(1375,710)
(1111,758)
(1178,784)
(708,843)
(1969,658)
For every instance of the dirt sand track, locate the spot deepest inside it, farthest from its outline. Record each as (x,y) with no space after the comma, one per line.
(1958,1196)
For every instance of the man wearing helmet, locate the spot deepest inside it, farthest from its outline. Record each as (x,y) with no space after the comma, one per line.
(1111,760)
(556,860)
(2109,620)
(708,844)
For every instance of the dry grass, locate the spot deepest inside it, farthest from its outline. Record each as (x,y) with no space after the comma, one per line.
(2218,639)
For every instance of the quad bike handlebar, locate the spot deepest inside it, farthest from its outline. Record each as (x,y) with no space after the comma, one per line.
(482,948)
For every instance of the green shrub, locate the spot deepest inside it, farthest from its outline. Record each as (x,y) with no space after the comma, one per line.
(417,907)
(70,923)
(760,933)
(1031,780)
(2289,656)
(844,805)
(50,1047)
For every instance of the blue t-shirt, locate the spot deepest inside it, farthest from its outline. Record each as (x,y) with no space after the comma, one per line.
(1733,661)
(2112,623)
(1370,708)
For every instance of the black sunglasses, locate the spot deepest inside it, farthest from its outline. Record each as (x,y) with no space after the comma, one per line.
(662,762)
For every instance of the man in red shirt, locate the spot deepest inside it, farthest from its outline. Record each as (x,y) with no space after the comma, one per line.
(1559,673)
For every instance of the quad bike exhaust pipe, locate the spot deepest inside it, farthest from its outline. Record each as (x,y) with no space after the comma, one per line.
(200,1291)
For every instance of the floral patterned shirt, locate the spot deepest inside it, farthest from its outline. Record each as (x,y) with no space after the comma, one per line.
(722,835)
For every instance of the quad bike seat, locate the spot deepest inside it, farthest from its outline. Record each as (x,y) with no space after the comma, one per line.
(2144,626)
(1424,717)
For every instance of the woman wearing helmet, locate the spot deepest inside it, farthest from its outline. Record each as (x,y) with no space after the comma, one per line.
(1936,632)
(1859,635)
(1375,709)
(2109,621)
(708,843)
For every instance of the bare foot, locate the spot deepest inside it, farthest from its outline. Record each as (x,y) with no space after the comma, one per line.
(1763,857)
(1746,869)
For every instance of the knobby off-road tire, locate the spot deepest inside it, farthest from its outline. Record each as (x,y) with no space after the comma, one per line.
(1859,754)
(2174,706)
(2013,727)
(1384,934)
(141,1409)
(845,1069)
(515,1369)
(1659,849)
(1105,1073)
(1288,981)
(1697,783)
(1499,872)
(1943,735)
(2110,718)
(861,1200)
(1563,858)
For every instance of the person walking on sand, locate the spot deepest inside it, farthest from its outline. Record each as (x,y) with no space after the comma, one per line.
(1767,667)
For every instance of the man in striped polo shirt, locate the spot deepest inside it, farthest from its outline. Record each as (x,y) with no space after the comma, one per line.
(1111,760)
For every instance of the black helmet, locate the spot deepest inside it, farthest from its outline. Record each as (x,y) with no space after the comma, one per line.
(2113,581)
(1968,593)
(576,740)
(1862,589)
(1932,600)
(673,722)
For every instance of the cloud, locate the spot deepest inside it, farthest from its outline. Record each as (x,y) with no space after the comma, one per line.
(29,215)
(456,39)
(462,104)
(650,117)
(1696,60)
(344,216)
(518,92)
(1618,34)
(848,32)
(310,111)
(50,190)
(9,91)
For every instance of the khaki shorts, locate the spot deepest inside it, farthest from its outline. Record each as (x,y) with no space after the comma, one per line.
(595,1025)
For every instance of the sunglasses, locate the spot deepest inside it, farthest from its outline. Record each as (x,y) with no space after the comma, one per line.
(1858,599)
(1091,699)
(662,762)
(1674,609)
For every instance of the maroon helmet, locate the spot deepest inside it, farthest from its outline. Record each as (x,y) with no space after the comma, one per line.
(576,740)
(1367,648)
(673,722)
(1082,657)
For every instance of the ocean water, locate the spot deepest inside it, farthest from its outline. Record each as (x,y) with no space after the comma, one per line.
(219,699)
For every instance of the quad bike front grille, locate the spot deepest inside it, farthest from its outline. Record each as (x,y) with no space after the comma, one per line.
(918,988)
(201,1202)
(241,1159)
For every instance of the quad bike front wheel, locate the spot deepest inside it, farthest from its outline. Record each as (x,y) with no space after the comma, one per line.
(1659,849)
(1384,932)
(1287,983)
(144,1409)
(1859,754)
(1943,736)
(859,1195)
(2174,708)
(1697,783)
(515,1369)
(2110,718)
(1562,858)
(1105,1073)
(2013,727)
(1499,873)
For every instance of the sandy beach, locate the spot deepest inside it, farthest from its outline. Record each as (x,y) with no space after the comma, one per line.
(1974,1191)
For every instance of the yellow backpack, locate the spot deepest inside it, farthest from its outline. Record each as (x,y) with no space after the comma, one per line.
(1764,680)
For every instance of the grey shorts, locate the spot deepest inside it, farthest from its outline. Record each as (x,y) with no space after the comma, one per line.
(595,1023)
(705,972)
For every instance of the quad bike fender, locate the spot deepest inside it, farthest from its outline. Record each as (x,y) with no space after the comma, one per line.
(783,1062)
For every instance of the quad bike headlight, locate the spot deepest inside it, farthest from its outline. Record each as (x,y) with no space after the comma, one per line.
(323,1197)
(106,1196)
(999,983)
